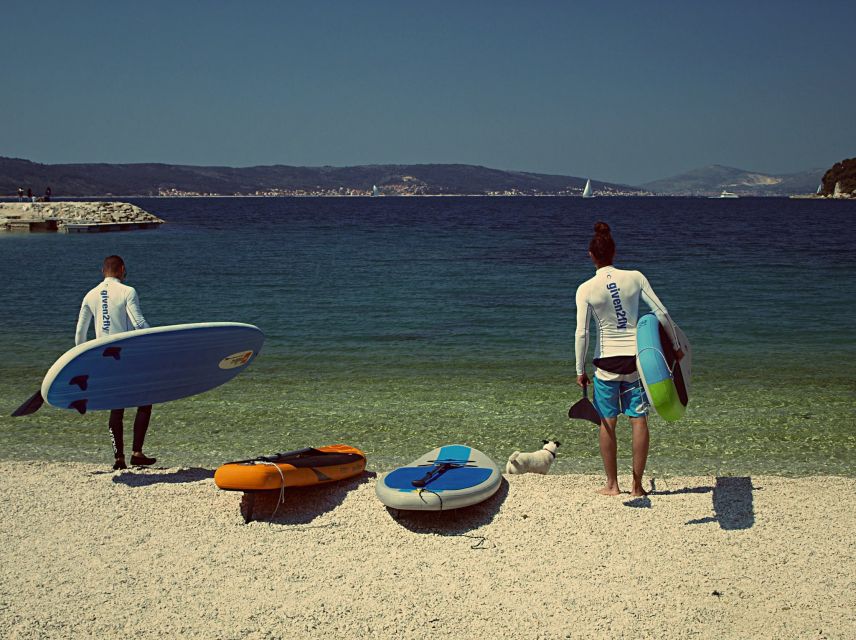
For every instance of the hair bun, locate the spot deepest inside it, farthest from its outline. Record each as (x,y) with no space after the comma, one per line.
(601,228)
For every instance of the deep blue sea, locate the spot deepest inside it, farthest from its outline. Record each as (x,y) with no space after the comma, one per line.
(400,324)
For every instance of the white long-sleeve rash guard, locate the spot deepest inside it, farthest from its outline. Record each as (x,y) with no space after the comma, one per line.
(116,308)
(612,296)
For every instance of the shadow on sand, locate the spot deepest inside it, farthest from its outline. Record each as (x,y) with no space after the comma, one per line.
(455,522)
(642,502)
(156,476)
(301,505)
(732,502)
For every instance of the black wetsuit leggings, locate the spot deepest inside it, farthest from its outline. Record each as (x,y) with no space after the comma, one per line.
(141,425)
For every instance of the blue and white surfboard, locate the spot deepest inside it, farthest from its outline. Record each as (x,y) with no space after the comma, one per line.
(666,381)
(150,366)
(446,478)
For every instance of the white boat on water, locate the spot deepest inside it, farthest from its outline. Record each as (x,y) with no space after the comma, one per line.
(587,191)
(726,194)
(375,191)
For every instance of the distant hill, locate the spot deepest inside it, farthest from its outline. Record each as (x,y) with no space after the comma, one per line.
(712,180)
(843,175)
(82,180)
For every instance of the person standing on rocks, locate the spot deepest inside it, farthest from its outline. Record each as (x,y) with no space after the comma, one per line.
(48,194)
(117,308)
(30,195)
(20,194)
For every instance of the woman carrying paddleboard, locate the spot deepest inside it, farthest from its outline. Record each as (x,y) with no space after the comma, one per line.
(116,309)
(612,298)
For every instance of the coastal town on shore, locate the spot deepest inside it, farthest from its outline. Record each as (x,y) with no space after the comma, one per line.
(405,188)
(31,179)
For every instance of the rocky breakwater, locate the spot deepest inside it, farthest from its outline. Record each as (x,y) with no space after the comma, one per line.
(75,216)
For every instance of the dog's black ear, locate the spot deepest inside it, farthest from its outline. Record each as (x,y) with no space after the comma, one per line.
(546,441)
(558,444)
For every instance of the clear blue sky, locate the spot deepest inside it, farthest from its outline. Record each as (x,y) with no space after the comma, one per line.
(619,91)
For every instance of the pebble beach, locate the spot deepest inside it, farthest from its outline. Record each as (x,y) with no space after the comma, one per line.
(87,552)
(379,249)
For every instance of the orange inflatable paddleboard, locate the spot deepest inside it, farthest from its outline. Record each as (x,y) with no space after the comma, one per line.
(301,468)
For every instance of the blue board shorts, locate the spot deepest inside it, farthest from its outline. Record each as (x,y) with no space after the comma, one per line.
(615,397)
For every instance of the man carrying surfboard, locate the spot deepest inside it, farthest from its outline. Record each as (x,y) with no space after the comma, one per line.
(612,297)
(116,308)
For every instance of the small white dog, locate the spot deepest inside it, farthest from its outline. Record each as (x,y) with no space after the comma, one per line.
(535,462)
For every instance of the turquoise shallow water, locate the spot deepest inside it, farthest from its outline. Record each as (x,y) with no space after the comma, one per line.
(399,324)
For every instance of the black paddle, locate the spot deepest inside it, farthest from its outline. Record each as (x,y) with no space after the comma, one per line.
(30,406)
(583,409)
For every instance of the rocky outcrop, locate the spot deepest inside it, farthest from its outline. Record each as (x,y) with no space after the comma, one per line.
(75,212)
(840,180)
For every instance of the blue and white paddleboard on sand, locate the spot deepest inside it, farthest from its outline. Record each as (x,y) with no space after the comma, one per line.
(446,478)
(150,366)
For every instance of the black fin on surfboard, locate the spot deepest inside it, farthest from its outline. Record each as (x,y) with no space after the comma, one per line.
(112,352)
(674,366)
(33,404)
(80,405)
(583,409)
(80,381)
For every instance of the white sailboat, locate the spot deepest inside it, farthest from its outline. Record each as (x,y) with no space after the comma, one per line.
(375,192)
(587,191)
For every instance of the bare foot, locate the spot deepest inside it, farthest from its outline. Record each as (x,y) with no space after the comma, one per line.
(609,491)
(638,492)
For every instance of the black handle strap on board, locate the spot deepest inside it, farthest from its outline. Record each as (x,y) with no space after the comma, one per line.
(308,457)
(278,457)
(435,473)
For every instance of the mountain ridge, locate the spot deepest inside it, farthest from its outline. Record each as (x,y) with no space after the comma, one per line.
(712,179)
(151,179)
(146,179)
